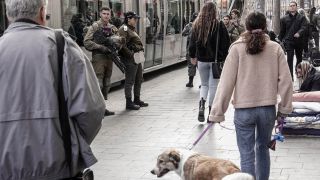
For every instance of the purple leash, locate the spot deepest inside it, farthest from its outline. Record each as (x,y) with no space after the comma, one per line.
(201,135)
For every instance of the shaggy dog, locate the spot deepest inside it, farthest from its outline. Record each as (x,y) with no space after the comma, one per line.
(190,165)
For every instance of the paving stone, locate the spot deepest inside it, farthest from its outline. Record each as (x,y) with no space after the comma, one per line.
(129,142)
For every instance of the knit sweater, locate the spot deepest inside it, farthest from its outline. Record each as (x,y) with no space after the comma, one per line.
(254,80)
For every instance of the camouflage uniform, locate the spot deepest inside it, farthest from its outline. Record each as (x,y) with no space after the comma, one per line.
(101,61)
(234,32)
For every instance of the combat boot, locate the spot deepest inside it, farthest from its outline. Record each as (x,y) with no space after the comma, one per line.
(202,103)
(130,105)
(190,83)
(140,103)
(108,113)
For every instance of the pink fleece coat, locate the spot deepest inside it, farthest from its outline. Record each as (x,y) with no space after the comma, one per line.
(254,80)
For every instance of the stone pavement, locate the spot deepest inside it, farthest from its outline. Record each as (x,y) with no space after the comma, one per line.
(129,142)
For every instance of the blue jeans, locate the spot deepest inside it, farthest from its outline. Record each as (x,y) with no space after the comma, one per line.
(254,129)
(208,84)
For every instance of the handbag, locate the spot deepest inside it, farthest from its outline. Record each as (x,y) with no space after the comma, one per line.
(63,112)
(139,57)
(217,66)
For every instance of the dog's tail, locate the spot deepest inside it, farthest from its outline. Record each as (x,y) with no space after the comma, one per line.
(238,176)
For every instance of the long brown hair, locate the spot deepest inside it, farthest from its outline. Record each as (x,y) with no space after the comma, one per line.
(204,23)
(255,38)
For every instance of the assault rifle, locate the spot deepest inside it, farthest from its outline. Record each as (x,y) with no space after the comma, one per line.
(113,43)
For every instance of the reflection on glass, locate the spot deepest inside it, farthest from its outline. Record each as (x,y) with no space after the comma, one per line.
(172,44)
(117,9)
(154,32)
(77,14)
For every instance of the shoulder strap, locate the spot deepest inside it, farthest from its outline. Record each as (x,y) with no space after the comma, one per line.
(63,108)
(217,42)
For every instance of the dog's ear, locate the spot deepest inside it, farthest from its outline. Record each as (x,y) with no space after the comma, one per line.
(174,157)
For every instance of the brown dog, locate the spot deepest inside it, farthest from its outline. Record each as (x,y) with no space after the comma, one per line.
(193,166)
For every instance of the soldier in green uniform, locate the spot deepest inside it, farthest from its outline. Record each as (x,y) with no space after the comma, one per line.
(133,74)
(101,60)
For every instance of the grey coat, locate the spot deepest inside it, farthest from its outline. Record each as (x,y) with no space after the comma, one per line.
(31,147)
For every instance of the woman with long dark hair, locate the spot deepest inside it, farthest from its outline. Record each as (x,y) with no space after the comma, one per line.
(255,72)
(203,48)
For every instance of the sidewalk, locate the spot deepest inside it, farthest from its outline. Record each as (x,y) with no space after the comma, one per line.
(128,143)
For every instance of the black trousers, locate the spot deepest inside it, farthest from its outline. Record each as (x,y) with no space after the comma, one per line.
(291,50)
(133,79)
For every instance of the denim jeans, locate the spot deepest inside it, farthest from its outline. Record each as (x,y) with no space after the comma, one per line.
(254,129)
(208,84)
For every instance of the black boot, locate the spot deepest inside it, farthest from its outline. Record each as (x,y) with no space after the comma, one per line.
(140,103)
(104,91)
(130,105)
(190,83)
(201,110)
(108,113)
(209,114)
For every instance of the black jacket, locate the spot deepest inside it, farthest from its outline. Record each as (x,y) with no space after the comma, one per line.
(207,53)
(312,82)
(299,24)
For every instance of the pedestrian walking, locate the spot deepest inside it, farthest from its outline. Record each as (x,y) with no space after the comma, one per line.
(133,75)
(307,37)
(255,72)
(204,45)
(292,29)
(192,69)
(101,55)
(315,25)
(31,137)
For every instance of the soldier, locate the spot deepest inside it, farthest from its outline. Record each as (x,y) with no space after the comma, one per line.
(191,67)
(236,20)
(101,60)
(133,75)
(233,32)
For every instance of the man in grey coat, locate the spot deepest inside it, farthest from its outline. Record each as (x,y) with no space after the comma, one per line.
(31,146)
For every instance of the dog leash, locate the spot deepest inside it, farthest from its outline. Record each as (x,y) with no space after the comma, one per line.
(201,135)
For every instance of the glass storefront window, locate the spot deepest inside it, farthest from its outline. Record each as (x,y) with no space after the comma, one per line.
(117,10)
(77,14)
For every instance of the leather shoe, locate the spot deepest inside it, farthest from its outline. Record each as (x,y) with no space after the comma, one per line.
(132,106)
(141,103)
(108,113)
(189,84)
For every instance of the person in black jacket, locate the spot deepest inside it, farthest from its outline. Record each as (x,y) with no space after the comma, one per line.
(292,29)
(203,48)
(309,76)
